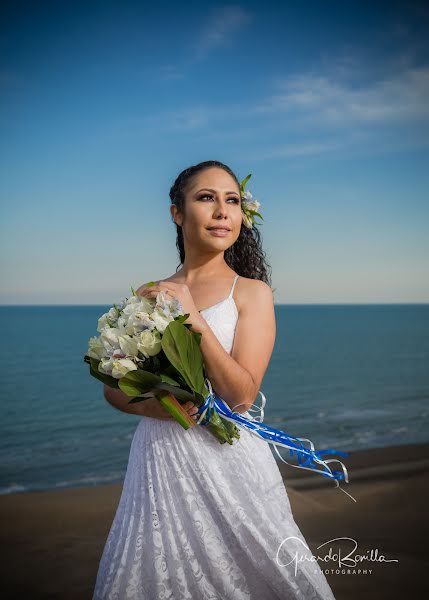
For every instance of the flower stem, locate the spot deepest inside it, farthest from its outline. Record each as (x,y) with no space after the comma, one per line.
(173,406)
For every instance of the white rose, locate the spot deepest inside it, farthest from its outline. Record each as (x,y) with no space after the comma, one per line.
(161,319)
(138,304)
(128,345)
(96,348)
(122,366)
(110,337)
(107,320)
(123,325)
(105,366)
(139,322)
(136,316)
(149,343)
(102,323)
(112,315)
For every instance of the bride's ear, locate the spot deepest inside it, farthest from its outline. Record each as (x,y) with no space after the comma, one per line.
(176,217)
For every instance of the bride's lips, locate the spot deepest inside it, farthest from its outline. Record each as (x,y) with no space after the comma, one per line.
(219,232)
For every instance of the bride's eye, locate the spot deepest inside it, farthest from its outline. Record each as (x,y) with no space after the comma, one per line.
(233,198)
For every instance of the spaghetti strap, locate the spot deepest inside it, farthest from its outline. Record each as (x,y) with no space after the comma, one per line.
(233,286)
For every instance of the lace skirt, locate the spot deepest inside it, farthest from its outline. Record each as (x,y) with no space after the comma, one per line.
(200,520)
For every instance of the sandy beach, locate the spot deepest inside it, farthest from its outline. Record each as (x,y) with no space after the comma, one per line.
(52,541)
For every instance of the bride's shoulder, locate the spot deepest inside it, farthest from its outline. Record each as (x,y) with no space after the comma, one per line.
(252,292)
(253,285)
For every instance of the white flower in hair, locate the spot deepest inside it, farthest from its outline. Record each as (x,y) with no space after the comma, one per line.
(249,206)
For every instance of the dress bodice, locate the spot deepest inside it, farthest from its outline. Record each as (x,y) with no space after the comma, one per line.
(222,318)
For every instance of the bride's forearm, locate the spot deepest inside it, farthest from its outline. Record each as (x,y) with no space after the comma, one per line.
(229,379)
(119,400)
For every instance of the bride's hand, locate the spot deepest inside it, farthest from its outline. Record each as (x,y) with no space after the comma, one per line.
(181,292)
(152,407)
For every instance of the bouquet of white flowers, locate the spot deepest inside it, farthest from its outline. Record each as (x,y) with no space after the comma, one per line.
(145,348)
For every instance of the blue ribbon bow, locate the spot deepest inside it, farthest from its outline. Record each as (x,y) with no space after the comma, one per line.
(308,458)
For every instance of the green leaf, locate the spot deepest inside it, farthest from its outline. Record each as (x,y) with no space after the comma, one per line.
(138,382)
(182,350)
(182,318)
(168,379)
(243,183)
(198,337)
(178,392)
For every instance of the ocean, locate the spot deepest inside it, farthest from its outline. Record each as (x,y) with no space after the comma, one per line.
(347,377)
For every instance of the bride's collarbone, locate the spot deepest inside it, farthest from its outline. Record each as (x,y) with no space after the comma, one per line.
(207,299)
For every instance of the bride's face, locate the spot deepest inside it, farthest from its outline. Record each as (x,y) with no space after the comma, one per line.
(212,200)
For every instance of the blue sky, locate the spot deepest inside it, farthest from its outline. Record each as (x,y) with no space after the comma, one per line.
(104,103)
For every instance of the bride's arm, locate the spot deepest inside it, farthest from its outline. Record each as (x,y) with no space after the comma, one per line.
(151,407)
(237,377)
(119,400)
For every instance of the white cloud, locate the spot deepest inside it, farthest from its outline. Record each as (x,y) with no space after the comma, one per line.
(322,100)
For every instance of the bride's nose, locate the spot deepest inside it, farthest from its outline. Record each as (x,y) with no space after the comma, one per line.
(221,210)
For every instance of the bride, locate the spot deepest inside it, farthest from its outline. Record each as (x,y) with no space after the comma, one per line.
(197,519)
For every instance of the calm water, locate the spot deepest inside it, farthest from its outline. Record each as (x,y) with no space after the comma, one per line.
(347,377)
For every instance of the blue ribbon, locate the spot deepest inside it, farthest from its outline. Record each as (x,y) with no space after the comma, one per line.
(308,458)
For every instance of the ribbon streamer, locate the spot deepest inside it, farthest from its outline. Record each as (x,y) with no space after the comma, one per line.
(308,458)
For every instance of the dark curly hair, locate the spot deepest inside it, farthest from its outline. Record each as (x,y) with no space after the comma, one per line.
(246,256)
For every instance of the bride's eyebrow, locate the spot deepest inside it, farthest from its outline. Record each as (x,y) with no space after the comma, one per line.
(213,191)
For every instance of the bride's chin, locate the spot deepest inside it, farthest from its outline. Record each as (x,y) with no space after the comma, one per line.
(216,247)
(219,243)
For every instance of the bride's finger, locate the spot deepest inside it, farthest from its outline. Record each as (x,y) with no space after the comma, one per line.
(153,291)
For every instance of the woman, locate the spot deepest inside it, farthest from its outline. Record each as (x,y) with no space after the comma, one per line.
(198,519)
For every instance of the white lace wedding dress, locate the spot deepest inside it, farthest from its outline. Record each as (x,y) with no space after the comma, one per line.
(200,520)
